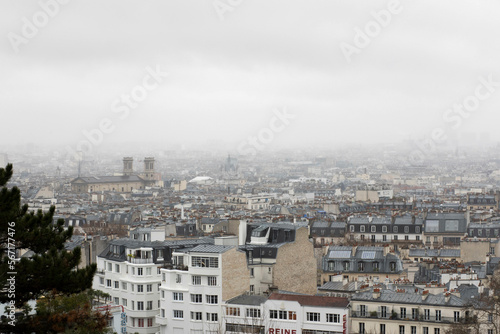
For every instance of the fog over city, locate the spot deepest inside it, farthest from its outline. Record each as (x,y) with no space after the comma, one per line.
(208,74)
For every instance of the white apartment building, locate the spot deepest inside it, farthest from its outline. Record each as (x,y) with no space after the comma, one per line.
(129,270)
(286,314)
(194,287)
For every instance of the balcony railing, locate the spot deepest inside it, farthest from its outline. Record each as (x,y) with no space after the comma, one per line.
(175,267)
(391,316)
(136,260)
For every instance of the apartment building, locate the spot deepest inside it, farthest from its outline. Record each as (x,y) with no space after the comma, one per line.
(193,288)
(280,256)
(361,262)
(129,270)
(286,314)
(406,229)
(387,311)
(444,229)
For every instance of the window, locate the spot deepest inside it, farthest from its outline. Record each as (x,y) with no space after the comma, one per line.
(393,266)
(117,301)
(212,280)
(456,316)
(427,314)
(417,229)
(212,317)
(425,330)
(108,283)
(234,311)
(384,229)
(196,280)
(395,237)
(140,288)
(362,310)
(149,305)
(273,314)
(438,315)
(333,318)
(490,317)
(282,315)
(414,313)
(403,312)
(163,313)
(140,306)
(140,322)
(124,302)
(212,299)
(361,328)
(124,285)
(101,280)
(437,331)
(292,315)
(384,237)
(139,271)
(413,330)
(179,296)
(251,272)
(401,329)
(149,288)
(346,265)
(253,313)
(196,298)
(373,228)
(197,316)
(362,228)
(252,289)
(207,262)
(117,268)
(117,285)
(382,328)
(361,266)
(407,229)
(150,322)
(178,278)
(407,237)
(383,311)
(313,316)
(351,228)
(178,314)
(395,229)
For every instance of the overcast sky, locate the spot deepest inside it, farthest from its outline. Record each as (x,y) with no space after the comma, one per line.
(230,67)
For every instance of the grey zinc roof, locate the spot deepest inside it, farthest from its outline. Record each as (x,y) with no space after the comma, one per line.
(388,296)
(320,224)
(359,220)
(110,179)
(383,220)
(338,225)
(211,249)
(248,300)
(339,286)
(403,220)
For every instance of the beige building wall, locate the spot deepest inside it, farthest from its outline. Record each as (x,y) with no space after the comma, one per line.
(235,274)
(471,250)
(295,269)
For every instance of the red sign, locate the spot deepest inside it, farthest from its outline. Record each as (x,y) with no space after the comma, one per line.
(282,331)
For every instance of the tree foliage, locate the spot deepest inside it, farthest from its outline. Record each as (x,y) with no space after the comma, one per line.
(49,266)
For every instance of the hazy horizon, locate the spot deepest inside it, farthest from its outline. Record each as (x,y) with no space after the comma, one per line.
(233,72)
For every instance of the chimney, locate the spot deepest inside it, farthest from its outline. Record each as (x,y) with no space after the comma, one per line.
(425,293)
(446,297)
(376,293)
